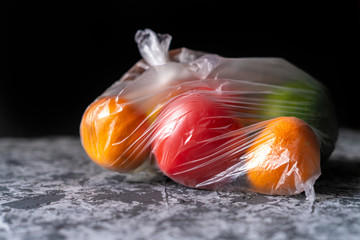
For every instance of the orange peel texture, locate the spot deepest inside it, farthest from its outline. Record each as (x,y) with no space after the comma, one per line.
(113,134)
(283,157)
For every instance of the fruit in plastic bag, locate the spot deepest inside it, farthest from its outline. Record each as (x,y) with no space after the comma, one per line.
(273,87)
(213,122)
(162,102)
(306,101)
(295,99)
(193,140)
(284,157)
(113,134)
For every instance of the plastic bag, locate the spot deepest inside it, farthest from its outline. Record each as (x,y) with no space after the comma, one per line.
(209,122)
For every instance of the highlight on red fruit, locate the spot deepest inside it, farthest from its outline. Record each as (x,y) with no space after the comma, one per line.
(194,141)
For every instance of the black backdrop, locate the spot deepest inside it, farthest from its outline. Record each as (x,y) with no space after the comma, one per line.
(60,56)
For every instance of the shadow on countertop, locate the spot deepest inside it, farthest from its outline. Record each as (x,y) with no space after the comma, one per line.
(340,176)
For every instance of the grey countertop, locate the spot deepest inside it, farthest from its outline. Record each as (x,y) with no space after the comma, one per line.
(49,189)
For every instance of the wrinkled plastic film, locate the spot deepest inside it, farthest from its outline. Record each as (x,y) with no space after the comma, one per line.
(209,122)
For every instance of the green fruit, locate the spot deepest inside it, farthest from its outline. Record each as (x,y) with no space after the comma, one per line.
(308,101)
(294,99)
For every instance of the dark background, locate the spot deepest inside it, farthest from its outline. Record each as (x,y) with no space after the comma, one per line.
(61,56)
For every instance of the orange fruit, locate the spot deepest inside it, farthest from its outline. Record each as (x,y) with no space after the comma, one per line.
(113,134)
(284,155)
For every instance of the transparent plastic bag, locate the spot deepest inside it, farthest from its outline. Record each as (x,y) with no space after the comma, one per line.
(209,122)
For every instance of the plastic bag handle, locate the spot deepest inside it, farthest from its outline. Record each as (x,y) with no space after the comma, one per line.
(153,47)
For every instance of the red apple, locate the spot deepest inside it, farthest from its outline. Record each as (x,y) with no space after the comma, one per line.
(195,141)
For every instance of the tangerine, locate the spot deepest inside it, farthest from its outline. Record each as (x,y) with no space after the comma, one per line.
(284,156)
(113,134)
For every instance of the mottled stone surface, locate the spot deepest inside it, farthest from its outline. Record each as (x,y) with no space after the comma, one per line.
(50,190)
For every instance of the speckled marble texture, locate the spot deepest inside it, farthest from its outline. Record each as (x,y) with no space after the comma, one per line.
(50,190)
